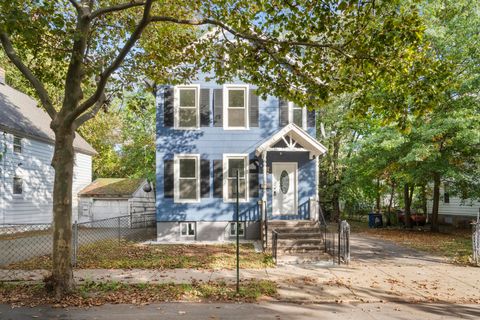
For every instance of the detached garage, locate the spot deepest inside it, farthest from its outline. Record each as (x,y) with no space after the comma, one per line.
(109,197)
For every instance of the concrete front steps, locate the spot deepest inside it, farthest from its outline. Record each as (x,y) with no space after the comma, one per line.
(299,241)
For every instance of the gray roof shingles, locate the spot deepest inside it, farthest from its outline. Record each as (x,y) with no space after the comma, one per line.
(20,115)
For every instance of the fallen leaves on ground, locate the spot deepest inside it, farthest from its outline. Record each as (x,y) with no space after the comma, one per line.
(92,294)
(112,254)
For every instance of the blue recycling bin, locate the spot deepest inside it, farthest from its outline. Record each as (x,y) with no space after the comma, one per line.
(375,220)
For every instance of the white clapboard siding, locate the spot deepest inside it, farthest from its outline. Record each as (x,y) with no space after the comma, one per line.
(33,165)
(456,207)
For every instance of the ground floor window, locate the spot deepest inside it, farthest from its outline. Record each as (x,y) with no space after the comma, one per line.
(17,185)
(187,229)
(187,178)
(233,229)
(231,165)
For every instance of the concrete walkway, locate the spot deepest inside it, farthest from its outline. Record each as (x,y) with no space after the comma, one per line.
(379,272)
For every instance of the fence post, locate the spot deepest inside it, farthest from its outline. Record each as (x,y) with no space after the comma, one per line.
(75,243)
(119,231)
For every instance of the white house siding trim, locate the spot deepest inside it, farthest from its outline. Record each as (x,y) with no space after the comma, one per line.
(34,205)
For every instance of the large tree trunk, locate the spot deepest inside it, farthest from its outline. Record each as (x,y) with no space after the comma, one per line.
(61,281)
(407,203)
(436,202)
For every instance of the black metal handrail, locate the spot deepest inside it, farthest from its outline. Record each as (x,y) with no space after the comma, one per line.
(274,244)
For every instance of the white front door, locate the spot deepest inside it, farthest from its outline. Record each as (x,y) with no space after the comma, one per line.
(284,188)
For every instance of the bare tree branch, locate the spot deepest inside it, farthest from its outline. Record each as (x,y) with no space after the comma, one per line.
(37,85)
(118,7)
(105,75)
(249,36)
(93,112)
(76,5)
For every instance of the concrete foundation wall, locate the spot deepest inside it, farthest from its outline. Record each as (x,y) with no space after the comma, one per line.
(218,231)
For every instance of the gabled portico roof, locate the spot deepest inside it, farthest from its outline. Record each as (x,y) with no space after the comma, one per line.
(292,138)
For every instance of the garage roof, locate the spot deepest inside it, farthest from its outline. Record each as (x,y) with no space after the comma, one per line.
(112,187)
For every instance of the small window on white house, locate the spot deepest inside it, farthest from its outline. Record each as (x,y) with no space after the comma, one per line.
(17,185)
(236,111)
(17,144)
(297,115)
(233,229)
(187,229)
(85,210)
(187,107)
(232,165)
(187,178)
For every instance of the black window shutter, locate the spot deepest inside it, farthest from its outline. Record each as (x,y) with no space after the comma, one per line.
(283,109)
(218,178)
(168,179)
(168,107)
(205,107)
(253,112)
(253,170)
(217,107)
(205,178)
(311,118)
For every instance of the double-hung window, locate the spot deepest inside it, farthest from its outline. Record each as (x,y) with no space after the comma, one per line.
(17,185)
(235,101)
(232,164)
(297,115)
(17,144)
(187,178)
(187,110)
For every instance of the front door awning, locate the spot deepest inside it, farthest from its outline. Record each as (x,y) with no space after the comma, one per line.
(292,138)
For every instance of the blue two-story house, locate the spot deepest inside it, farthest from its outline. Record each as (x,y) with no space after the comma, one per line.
(206,132)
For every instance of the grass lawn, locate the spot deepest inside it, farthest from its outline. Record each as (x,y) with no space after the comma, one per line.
(126,255)
(455,244)
(97,293)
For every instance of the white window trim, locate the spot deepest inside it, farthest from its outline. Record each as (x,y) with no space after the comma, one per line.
(226,88)
(242,223)
(187,236)
(14,144)
(304,115)
(176,106)
(176,177)
(227,156)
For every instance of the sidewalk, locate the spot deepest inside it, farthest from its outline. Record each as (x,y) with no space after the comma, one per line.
(379,272)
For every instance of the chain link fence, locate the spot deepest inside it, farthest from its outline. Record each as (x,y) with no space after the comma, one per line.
(476,240)
(29,246)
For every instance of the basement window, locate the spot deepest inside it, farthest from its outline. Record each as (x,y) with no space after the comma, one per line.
(233,229)
(187,229)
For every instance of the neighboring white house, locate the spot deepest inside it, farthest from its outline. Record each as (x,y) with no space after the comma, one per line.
(454,210)
(26,150)
(110,197)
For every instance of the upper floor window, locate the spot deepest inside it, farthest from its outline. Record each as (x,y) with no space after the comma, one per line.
(233,164)
(17,144)
(297,115)
(186,104)
(235,107)
(186,178)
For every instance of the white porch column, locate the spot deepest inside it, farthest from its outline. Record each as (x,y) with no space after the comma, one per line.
(316,205)
(264,196)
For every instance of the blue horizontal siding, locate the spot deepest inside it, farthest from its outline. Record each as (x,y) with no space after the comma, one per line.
(211,143)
